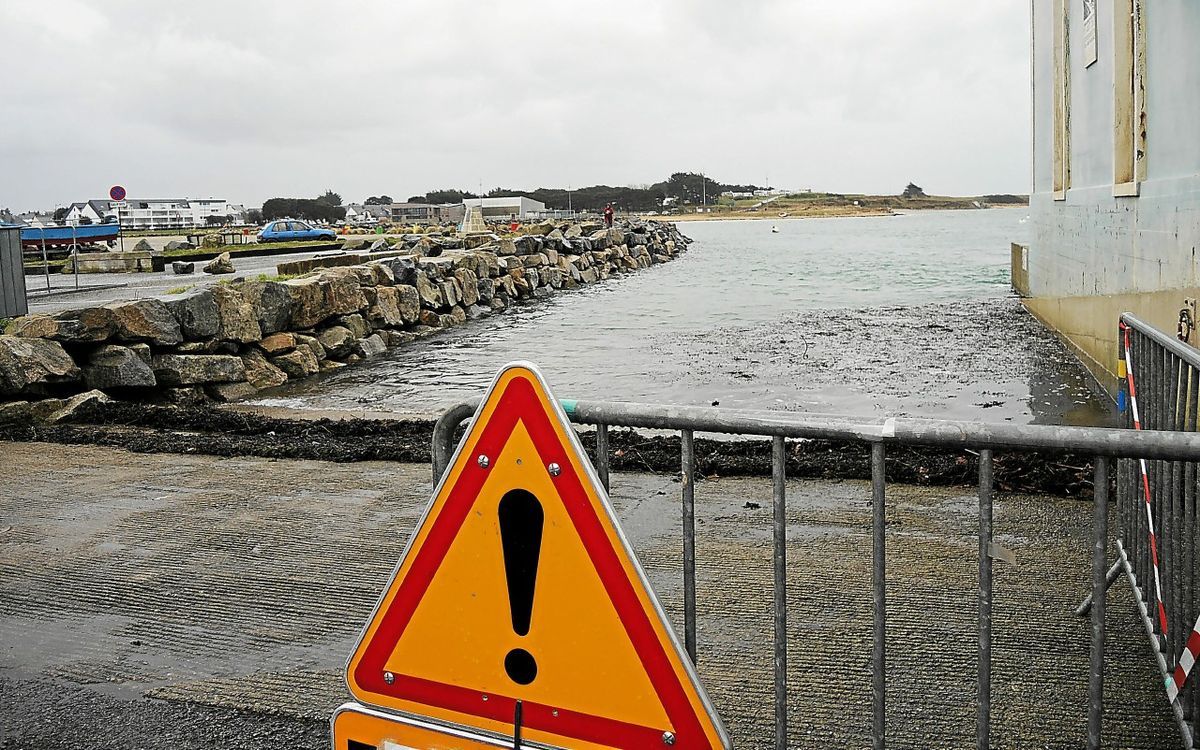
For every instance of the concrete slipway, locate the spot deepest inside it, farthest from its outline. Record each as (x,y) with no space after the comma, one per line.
(186,601)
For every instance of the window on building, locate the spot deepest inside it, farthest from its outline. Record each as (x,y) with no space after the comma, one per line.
(1129,109)
(1062,100)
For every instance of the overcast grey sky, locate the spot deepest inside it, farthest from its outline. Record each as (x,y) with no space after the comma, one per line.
(250,99)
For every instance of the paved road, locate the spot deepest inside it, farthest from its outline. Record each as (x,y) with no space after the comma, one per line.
(185,601)
(108,287)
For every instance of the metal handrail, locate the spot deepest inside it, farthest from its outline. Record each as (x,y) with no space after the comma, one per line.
(1112,442)
(1172,345)
(1103,444)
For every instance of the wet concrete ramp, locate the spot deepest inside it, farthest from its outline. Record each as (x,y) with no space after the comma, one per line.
(241,584)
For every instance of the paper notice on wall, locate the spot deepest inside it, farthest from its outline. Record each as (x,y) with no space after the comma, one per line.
(1089,32)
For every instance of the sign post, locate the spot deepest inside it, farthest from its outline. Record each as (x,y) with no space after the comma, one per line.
(519,608)
(116,194)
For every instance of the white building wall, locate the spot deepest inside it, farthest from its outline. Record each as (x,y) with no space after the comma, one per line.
(1093,243)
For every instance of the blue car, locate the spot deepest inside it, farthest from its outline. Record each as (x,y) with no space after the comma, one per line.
(290,230)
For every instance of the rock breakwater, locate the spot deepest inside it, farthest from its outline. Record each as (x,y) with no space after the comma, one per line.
(227,341)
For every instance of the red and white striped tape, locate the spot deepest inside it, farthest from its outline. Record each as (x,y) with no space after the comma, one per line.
(1137,425)
(1187,660)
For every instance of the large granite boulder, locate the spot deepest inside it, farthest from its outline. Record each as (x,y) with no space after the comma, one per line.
(271,302)
(196,313)
(430,294)
(370,346)
(317,298)
(84,325)
(237,319)
(409,303)
(197,369)
(260,373)
(219,264)
(226,392)
(278,343)
(75,404)
(337,340)
(145,320)
(357,324)
(385,310)
(468,286)
(115,367)
(299,363)
(31,364)
(312,343)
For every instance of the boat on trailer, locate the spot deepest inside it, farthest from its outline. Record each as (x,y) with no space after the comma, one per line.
(85,234)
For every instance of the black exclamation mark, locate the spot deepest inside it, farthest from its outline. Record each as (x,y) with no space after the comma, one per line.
(521,536)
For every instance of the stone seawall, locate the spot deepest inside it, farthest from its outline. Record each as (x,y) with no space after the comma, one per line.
(227,341)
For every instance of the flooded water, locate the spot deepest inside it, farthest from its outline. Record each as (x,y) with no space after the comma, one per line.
(903,315)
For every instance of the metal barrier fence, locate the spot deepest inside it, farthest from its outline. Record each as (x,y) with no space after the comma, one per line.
(13,299)
(1105,445)
(1158,537)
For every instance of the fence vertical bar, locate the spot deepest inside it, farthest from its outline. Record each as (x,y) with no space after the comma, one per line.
(45,260)
(688,466)
(984,689)
(1099,585)
(602,454)
(1175,540)
(779,478)
(1191,532)
(879,592)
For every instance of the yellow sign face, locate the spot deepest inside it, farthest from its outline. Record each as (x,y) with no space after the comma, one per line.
(357,728)
(518,593)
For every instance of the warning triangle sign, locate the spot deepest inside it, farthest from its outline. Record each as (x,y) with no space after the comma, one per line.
(518,586)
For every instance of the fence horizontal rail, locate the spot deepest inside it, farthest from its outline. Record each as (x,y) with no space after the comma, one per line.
(1171,344)
(1117,443)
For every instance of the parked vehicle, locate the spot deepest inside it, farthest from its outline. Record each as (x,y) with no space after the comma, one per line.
(290,230)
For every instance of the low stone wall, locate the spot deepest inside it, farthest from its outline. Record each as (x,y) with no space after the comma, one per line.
(227,341)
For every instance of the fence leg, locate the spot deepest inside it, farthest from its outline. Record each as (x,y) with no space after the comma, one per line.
(983,725)
(688,466)
(602,454)
(778,477)
(879,589)
(1099,586)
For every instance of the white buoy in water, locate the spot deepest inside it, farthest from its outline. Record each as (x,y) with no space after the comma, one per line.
(775,230)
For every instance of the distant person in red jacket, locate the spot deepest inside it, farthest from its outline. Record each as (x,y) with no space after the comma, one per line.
(608,215)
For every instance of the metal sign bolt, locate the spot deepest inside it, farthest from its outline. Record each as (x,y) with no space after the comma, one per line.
(668,738)
(482,461)
(554,469)
(389,678)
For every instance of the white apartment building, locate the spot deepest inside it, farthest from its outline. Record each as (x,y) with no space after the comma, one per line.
(158,213)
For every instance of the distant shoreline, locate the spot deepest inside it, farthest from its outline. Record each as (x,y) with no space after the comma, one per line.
(828,205)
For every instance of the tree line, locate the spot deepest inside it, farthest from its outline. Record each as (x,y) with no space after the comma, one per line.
(686,187)
(326,207)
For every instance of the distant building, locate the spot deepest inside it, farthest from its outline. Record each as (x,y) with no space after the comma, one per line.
(157,213)
(1115,206)
(515,207)
(90,212)
(360,215)
(34,219)
(425,213)
(413,213)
